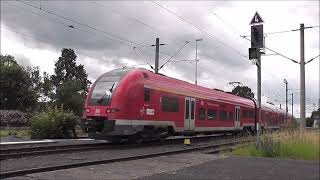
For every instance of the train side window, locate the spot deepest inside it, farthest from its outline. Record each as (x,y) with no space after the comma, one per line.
(187,109)
(202,114)
(192,109)
(212,114)
(263,116)
(230,116)
(170,104)
(146,94)
(245,114)
(251,114)
(223,115)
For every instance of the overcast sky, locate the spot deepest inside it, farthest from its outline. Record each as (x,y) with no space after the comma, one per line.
(109,34)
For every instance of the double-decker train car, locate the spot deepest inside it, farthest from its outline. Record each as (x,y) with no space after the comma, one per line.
(135,103)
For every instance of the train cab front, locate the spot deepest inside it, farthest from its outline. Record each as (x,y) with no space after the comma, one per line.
(99,113)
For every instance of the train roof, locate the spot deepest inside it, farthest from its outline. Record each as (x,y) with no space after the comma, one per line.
(271,107)
(177,86)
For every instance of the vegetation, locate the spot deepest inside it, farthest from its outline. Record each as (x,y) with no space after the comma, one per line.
(287,145)
(243,91)
(55,123)
(310,120)
(19,85)
(14,132)
(70,81)
(22,88)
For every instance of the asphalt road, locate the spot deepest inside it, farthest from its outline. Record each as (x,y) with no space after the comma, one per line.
(245,168)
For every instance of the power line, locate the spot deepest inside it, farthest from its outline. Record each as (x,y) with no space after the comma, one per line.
(280,32)
(50,43)
(282,55)
(174,54)
(234,29)
(286,31)
(131,18)
(201,30)
(68,25)
(73,27)
(275,52)
(312,59)
(82,24)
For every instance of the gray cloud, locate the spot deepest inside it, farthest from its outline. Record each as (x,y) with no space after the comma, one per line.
(140,23)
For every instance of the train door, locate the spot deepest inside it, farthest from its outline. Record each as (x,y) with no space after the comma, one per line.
(237,117)
(189,114)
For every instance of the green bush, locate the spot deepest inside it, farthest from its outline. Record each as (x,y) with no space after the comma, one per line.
(54,123)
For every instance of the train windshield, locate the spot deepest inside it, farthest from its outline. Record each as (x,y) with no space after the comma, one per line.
(105,86)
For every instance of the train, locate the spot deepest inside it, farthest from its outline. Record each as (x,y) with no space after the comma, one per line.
(137,104)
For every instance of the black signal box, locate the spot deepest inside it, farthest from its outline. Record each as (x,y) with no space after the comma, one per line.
(257,36)
(254,53)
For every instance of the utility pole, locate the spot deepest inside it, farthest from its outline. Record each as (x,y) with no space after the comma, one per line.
(259,91)
(302,80)
(292,105)
(196,76)
(156,66)
(286,82)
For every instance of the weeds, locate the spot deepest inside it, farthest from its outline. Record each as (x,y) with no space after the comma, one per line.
(289,144)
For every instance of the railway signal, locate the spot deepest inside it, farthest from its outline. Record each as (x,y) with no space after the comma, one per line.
(257,43)
(257,36)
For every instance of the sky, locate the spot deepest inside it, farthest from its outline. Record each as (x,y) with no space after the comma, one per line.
(111,34)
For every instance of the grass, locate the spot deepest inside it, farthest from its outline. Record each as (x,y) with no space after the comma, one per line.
(303,145)
(26,132)
(14,132)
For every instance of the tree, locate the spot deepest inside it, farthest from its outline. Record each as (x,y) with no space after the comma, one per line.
(67,69)
(70,98)
(309,122)
(70,82)
(19,85)
(47,85)
(243,91)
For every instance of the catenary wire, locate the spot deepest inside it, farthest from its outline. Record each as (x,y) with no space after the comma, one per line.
(201,30)
(82,24)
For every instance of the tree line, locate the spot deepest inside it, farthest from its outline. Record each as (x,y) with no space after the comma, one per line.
(25,89)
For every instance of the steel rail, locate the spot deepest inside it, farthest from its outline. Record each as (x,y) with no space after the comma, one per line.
(217,147)
(47,150)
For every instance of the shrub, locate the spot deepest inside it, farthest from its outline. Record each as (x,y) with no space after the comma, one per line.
(54,123)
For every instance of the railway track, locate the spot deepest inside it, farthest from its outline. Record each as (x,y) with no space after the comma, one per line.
(47,150)
(214,147)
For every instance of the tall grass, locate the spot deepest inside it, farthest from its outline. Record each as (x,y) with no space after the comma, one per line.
(14,132)
(289,144)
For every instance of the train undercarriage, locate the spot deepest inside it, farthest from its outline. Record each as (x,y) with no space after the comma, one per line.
(101,129)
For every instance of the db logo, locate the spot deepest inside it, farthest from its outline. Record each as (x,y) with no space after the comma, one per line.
(142,111)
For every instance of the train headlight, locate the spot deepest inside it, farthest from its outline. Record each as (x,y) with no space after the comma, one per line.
(112,110)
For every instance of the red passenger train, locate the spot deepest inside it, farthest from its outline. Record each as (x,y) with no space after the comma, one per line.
(138,104)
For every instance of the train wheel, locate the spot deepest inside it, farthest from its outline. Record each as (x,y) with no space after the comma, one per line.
(137,138)
(114,139)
